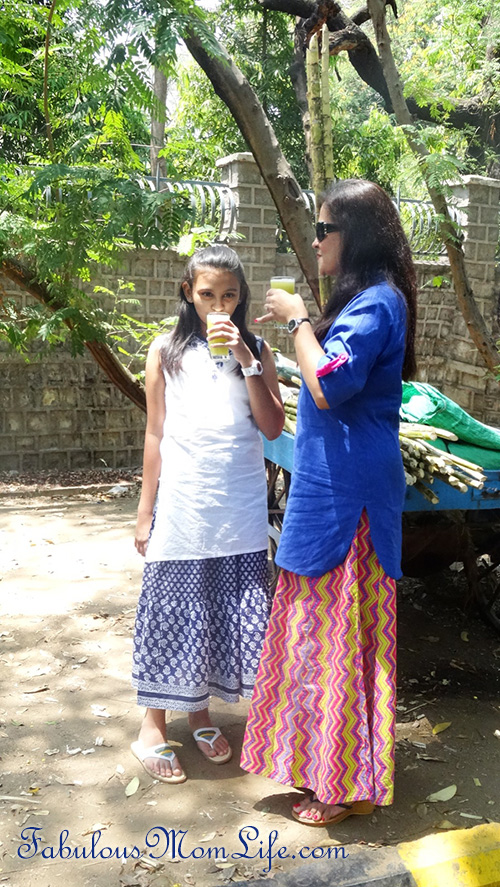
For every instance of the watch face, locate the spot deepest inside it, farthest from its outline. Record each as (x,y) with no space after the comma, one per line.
(292,324)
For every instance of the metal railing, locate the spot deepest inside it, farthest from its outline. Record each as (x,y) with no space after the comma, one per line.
(213,204)
(419,221)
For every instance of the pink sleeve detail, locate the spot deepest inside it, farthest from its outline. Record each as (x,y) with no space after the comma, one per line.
(332,365)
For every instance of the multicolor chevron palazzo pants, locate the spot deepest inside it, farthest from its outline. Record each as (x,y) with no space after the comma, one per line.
(322,714)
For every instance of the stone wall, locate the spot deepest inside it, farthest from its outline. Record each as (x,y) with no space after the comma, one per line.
(61,412)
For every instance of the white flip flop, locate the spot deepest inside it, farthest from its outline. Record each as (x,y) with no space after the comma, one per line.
(161,752)
(209,735)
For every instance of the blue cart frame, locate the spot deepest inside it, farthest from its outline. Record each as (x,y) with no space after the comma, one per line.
(469,522)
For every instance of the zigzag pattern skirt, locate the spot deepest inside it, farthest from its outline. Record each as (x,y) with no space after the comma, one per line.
(322,716)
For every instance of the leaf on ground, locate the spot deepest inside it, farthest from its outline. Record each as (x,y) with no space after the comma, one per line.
(421,810)
(132,787)
(445,824)
(98,827)
(147,862)
(464,636)
(208,837)
(431,758)
(471,816)
(100,711)
(444,794)
(51,751)
(440,727)
(477,781)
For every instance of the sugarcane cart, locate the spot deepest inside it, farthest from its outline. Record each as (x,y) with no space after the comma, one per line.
(457,524)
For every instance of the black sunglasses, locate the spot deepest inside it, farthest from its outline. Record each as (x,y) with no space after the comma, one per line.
(324,228)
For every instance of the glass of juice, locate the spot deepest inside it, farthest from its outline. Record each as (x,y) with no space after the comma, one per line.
(283,283)
(217,346)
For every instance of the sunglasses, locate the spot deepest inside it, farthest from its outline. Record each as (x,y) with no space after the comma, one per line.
(324,228)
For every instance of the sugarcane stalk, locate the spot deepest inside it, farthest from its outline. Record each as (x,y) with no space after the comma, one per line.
(426,493)
(314,102)
(321,138)
(326,112)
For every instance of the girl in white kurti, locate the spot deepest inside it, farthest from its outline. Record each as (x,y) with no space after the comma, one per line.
(202,518)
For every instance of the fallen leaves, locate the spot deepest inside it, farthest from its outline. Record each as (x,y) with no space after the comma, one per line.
(439,728)
(444,794)
(132,786)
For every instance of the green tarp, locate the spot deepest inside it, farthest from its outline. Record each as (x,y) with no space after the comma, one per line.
(484,458)
(425,404)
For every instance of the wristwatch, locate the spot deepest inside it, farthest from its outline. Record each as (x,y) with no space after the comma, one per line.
(255,369)
(295,322)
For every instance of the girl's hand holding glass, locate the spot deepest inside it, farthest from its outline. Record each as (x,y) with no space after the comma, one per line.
(225,335)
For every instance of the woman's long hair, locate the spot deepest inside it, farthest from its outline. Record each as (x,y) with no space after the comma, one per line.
(218,257)
(373,247)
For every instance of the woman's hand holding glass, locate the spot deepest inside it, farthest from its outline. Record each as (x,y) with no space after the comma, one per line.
(281,306)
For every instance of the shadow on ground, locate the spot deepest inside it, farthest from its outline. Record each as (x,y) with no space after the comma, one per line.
(68,715)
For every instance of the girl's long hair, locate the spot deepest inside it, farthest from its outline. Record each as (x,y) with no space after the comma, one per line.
(218,257)
(373,247)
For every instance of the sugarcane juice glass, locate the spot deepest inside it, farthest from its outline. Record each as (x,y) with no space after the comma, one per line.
(283,283)
(218,348)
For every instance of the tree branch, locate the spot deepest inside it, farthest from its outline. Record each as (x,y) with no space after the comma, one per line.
(118,374)
(235,91)
(463,290)
(363,57)
(48,124)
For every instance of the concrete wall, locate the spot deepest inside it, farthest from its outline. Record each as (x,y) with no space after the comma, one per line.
(61,412)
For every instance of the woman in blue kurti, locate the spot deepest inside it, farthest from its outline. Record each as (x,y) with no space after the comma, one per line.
(322,717)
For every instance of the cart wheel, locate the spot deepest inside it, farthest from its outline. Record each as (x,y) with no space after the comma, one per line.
(488,595)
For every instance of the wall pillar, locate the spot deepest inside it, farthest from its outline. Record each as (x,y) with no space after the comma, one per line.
(477,201)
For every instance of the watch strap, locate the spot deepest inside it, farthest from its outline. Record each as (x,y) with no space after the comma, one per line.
(295,322)
(255,369)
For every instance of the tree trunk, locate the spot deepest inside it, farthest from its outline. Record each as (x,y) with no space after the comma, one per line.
(465,296)
(235,91)
(299,82)
(158,121)
(118,374)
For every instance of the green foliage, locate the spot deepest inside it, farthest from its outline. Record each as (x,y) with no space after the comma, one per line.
(202,130)
(370,148)
(442,49)
(131,336)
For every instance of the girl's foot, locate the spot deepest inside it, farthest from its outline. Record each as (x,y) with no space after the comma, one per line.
(219,747)
(153,733)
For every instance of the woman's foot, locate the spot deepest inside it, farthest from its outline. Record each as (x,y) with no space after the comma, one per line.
(213,746)
(313,812)
(153,733)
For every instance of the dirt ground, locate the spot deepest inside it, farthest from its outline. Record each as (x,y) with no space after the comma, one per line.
(73,800)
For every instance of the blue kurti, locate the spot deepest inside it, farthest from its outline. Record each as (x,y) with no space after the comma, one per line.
(347,457)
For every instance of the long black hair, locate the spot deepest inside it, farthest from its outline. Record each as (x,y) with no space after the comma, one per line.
(219,257)
(373,247)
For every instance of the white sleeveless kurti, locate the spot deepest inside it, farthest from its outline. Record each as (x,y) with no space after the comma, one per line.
(212,493)
(205,602)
